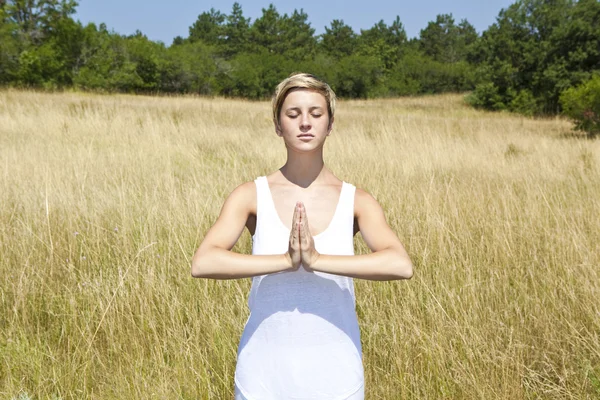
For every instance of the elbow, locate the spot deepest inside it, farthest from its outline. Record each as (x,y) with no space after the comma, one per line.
(407,271)
(205,263)
(197,268)
(404,267)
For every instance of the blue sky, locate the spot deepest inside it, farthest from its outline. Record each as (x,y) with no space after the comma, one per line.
(164,20)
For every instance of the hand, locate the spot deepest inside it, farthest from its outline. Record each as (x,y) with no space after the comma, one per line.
(301,249)
(308,253)
(293,254)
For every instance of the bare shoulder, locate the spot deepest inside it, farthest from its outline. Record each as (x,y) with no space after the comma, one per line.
(244,197)
(240,203)
(235,214)
(364,202)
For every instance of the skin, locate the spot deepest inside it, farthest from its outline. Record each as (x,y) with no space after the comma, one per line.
(301,249)
(303,183)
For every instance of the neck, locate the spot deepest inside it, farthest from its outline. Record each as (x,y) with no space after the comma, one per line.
(304,169)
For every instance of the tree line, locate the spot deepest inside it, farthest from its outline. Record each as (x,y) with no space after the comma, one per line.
(531,60)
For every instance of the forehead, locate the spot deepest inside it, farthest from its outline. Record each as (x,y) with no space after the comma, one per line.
(304,97)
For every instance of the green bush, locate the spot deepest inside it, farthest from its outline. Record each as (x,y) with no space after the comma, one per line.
(582,104)
(358,76)
(486,96)
(525,103)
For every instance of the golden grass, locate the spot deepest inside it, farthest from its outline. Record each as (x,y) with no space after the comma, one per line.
(104,199)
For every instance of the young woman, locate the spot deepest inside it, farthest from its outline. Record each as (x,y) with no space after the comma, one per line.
(301,340)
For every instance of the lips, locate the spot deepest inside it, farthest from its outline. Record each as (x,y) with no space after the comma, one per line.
(306,135)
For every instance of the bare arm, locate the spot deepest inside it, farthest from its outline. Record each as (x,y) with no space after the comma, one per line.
(388,260)
(214,258)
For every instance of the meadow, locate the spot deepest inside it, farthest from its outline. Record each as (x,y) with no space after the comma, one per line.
(105,198)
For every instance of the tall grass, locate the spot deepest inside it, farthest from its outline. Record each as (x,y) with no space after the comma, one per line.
(104,199)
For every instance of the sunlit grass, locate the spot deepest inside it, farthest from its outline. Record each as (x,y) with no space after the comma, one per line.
(104,199)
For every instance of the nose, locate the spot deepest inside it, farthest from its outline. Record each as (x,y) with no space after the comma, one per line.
(305,123)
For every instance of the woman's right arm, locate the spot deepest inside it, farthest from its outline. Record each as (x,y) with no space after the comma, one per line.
(214,258)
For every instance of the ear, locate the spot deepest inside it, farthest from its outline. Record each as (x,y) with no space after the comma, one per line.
(330,127)
(277,128)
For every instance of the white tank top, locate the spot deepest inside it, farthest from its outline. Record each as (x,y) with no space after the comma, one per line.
(301,340)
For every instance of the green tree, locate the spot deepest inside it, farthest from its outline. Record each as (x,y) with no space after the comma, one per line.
(283,34)
(178,40)
(119,63)
(582,104)
(265,32)
(535,51)
(418,73)
(145,55)
(574,51)
(383,42)
(358,76)
(339,40)
(67,44)
(105,62)
(298,36)
(255,75)
(236,31)
(208,27)
(37,19)
(189,68)
(444,41)
(9,48)
(44,41)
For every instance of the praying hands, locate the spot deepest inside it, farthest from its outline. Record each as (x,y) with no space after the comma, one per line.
(301,248)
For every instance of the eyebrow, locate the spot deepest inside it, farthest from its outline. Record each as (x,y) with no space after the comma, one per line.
(310,108)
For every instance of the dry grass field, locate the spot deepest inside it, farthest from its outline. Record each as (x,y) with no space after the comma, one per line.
(104,199)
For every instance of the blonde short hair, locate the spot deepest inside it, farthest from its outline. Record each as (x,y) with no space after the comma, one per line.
(298,80)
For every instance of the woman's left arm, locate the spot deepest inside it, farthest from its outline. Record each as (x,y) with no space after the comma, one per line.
(388,260)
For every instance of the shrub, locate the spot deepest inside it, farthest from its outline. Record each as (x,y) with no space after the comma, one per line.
(524,103)
(582,104)
(486,96)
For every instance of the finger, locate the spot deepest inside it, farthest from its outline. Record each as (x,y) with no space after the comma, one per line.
(294,230)
(304,233)
(297,224)
(293,222)
(296,213)
(297,221)
(304,221)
